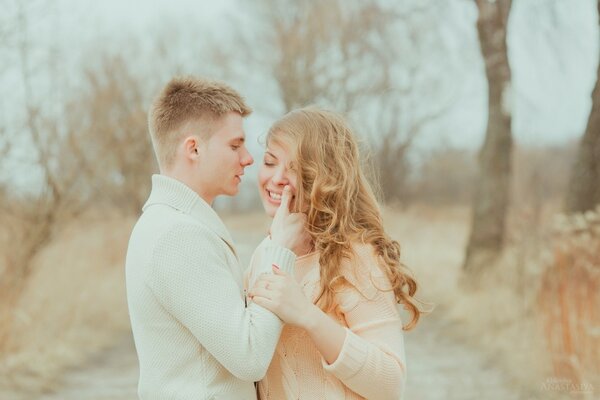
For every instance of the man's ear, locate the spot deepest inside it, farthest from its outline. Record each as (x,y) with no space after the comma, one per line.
(191,146)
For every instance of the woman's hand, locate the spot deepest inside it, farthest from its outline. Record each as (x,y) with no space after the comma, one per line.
(288,229)
(282,295)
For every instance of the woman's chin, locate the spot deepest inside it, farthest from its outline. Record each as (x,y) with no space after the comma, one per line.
(270,209)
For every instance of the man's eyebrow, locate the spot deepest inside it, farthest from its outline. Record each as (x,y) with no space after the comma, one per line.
(240,139)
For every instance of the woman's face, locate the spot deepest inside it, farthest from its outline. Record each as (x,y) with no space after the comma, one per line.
(275,172)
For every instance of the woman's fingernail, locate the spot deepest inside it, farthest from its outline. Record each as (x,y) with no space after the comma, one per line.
(274,266)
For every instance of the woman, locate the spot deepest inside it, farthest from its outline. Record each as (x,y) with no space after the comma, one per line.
(343,333)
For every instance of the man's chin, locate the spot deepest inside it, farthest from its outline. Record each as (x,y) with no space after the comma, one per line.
(231,191)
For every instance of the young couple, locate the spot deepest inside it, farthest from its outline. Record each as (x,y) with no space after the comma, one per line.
(320,319)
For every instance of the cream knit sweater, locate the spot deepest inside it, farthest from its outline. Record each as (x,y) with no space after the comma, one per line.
(371,363)
(194,336)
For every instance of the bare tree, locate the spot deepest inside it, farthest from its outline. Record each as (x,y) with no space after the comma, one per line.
(29,218)
(334,53)
(365,58)
(492,188)
(91,149)
(109,140)
(584,186)
(446,176)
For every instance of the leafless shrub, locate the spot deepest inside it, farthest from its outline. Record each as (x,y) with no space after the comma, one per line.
(541,173)
(364,58)
(108,136)
(446,176)
(90,150)
(569,299)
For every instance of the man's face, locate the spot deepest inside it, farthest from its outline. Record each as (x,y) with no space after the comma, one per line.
(224,157)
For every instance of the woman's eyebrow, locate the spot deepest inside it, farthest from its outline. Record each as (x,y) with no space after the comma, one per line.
(270,154)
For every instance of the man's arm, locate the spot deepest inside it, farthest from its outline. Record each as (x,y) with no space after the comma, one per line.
(194,284)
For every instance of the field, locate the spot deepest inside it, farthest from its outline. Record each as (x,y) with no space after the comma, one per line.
(487,341)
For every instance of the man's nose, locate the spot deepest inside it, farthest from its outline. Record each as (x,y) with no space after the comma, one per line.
(247,159)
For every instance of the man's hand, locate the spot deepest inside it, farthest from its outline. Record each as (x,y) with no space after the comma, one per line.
(288,229)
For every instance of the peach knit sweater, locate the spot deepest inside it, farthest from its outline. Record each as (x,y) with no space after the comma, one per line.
(371,363)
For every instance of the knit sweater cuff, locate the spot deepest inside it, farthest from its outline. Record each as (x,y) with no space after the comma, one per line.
(351,359)
(282,257)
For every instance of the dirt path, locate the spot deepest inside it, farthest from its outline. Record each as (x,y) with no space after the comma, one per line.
(111,375)
(440,367)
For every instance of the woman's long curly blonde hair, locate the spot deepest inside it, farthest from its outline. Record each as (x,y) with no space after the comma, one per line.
(340,204)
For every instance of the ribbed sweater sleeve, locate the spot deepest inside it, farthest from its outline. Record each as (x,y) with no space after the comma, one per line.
(372,360)
(194,283)
(261,263)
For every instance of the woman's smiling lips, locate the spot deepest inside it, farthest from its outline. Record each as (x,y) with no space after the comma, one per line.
(275,197)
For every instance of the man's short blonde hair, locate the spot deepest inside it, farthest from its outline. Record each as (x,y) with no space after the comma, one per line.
(187,99)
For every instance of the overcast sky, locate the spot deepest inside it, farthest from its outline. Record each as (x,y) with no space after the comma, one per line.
(553,57)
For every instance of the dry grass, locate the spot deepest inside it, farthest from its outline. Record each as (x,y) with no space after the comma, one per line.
(432,240)
(502,316)
(73,304)
(570,299)
(255,223)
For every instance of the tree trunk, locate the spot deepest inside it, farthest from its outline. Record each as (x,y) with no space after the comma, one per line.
(584,184)
(491,195)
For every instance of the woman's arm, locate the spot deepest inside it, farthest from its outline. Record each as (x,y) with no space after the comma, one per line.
(368,357)
(372,361)
(282,295)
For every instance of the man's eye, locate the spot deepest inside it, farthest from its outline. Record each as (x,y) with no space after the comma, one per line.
(235,147)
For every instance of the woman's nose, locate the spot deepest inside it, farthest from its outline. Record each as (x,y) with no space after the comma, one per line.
(280,178)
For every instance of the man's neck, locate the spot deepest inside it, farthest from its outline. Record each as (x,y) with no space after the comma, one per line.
(187,181)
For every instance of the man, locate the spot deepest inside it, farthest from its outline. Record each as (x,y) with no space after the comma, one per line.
(194,336)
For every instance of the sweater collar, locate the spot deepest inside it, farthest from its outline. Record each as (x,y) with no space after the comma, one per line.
(176,194)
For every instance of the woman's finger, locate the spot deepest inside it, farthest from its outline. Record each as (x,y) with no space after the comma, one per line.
(278,272)
(260,291)
(271,278)
(264,302)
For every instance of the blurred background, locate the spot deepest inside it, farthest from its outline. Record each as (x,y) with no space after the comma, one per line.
(479,120)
